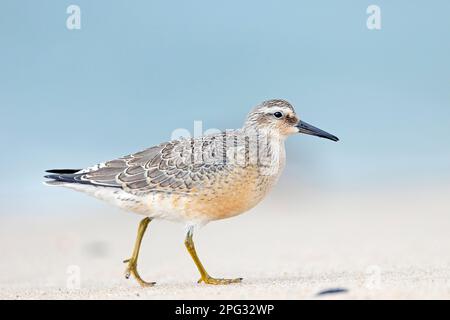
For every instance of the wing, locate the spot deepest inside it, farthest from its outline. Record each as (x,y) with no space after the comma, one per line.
(175,166)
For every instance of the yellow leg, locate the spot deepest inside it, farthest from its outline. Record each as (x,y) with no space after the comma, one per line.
(205,277)
(132,262)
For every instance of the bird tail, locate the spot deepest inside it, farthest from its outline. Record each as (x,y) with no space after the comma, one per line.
(61,176)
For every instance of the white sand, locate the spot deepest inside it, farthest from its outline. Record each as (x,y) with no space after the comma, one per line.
(383,246)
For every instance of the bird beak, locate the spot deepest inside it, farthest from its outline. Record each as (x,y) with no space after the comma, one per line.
(306,128)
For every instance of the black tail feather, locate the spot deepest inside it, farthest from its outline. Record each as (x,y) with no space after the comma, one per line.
(64,175)
(67,177)
(72,176)
(63,171)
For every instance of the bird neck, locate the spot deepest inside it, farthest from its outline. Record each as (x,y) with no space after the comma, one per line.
(268,134)
(269,148)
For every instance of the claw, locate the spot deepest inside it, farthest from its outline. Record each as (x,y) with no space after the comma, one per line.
(132,270)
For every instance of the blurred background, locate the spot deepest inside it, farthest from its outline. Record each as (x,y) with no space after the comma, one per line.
(136,71)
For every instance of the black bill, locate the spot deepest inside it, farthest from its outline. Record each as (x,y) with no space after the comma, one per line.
(306,128)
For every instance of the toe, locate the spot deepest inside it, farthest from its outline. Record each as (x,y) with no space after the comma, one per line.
(219,281)
(145,284)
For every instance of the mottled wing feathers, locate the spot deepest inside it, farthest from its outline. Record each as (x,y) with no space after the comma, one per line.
(175,166)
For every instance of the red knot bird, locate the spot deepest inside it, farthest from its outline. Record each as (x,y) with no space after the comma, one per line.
(197,180)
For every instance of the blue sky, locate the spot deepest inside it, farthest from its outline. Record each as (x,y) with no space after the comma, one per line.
(138,70)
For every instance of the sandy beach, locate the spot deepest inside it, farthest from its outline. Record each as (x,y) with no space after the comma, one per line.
(365,217)
(372,247)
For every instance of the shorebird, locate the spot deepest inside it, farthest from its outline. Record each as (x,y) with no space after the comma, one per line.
(196,180)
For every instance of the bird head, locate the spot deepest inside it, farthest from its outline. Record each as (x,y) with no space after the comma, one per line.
(278,117)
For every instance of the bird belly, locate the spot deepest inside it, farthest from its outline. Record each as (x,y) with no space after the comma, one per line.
(229,196)
(155,205)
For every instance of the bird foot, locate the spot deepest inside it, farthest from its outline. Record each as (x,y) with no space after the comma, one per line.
(132,270)
(218,281)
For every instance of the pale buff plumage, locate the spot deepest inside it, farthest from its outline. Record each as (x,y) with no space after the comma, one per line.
(199,180)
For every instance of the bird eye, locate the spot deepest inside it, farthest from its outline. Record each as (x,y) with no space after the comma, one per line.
(278,114)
